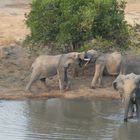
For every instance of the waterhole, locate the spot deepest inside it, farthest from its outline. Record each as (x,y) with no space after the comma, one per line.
(57,119)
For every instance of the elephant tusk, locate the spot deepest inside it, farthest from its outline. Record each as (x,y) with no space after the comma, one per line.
(87,59)
(86,63)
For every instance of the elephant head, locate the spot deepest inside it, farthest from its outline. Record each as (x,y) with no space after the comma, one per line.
(72,57)
(119,83)
(128,87)
(65,61)
(122,81)
(91,55)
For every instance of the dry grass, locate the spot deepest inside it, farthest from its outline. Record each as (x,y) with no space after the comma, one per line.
(12,25)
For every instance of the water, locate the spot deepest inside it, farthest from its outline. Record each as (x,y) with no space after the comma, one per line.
(57,119)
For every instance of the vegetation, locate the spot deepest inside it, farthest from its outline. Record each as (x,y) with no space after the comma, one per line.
(70,24)
(134,33)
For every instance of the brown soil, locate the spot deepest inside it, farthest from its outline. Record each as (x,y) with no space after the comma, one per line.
(15,65)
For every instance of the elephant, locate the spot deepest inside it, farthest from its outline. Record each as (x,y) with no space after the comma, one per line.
(47,66)
(128,87)
(108,63)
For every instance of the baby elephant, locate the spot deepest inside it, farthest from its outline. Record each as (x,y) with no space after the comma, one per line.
(129,89)
(47,66)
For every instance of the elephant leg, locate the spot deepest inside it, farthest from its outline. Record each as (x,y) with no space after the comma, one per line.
(61,85)
(43,81)
(65,75)
(100,76)
(138,108)
(34,77)
(131,110)
(62,78)
(127,106)
(75,72)
(98,71)
(67,83)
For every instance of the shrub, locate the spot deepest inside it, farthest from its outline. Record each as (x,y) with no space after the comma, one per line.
(134,37)
(70,23)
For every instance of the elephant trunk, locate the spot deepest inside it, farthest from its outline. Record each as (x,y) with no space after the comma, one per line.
(115,85)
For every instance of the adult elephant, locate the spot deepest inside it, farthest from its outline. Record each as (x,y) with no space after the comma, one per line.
(47,66)
(109,63)
(129,89)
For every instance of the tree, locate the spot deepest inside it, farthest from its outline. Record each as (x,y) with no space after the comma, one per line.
(69,23)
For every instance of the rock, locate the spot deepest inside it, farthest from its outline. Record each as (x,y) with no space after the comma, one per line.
(5,51)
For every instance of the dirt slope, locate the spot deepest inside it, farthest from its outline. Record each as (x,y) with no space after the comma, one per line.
(14,75)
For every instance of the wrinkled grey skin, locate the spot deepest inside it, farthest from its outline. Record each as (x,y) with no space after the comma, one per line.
(129,89)
(47,66)
(112,64)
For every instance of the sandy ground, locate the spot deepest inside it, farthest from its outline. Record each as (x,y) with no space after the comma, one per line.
(15,65)
(12,20)
(132,12)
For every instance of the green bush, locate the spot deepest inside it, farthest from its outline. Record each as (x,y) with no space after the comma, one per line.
(71,23)
(134,37)
(98,43)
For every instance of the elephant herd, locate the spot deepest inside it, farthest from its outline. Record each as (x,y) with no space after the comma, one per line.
(128,85)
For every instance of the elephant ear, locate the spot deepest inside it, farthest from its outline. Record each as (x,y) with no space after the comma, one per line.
(70,60)
(92,55)
(118,83)
(82,55)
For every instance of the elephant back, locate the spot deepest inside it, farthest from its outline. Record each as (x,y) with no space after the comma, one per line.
(113,63)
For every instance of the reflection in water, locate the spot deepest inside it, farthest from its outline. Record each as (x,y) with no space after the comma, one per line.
(64,119)
(128,131)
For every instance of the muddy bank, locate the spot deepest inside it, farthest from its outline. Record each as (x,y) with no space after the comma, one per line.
(15,63)
(15,72)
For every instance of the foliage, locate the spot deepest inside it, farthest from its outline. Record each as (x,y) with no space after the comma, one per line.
(98,44)
(134,37)
(71,23)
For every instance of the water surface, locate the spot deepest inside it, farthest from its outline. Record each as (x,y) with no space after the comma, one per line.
(57,119)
